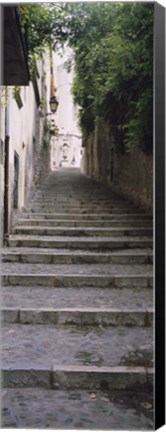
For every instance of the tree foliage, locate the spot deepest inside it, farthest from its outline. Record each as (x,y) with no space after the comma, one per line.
(114,70)
(43,27)
(44,23)
(113,52)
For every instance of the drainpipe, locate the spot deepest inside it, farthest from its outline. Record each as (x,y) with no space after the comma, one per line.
(6,173)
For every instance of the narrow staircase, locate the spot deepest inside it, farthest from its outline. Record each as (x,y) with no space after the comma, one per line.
(77,310)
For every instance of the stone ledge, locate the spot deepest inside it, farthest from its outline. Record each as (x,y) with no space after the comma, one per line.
(77,377)
(93,280)
(74,257)
(81,316)
(29,214)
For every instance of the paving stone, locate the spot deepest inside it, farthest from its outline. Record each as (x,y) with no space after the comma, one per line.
(36,296)
(41,408)
(38,345)
(79,269)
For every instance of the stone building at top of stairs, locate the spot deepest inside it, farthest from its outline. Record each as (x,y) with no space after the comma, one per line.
(67,144)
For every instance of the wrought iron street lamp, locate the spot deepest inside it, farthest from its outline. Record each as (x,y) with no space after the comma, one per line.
(53,104)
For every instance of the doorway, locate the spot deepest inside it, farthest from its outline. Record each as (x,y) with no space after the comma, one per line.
(16,178)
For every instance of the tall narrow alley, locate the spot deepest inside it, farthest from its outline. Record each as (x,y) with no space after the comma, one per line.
(77,310)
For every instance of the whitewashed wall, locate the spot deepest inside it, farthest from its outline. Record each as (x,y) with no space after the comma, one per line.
(25,130)
(22,130)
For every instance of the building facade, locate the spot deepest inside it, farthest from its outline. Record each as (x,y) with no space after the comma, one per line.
(28,149)
(66,150)
(26,159)
(24,141)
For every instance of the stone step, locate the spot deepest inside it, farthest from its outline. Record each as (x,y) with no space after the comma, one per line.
(40,408)
(49,256)
(79,316)
(99,243)
(93,280)
(82,210)
(89,216)
(37,296)
(77,304)
(84,203)
(77,197)
(64,200)
(69,377)
(66,357)
(75,232)
(85,223)
(79,269)
(77,209)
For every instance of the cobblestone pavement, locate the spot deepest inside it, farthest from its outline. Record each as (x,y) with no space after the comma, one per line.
(38,408)
(16,296)
(77,310)
(92,269)
(45,346)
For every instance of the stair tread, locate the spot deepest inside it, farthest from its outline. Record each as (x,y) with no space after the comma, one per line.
(49,251)
(88,229)
(80,238)
(71,322)
(78,269)
(77,229)
(83,232)
(31,214)
(72,409)
(31,346)
(35,296)
(109,220)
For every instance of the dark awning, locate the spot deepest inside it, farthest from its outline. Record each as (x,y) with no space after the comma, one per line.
(15,70)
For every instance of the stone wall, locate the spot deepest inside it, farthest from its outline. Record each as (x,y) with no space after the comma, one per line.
(41,156)
(97,153)
(133,177)
(130,175)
